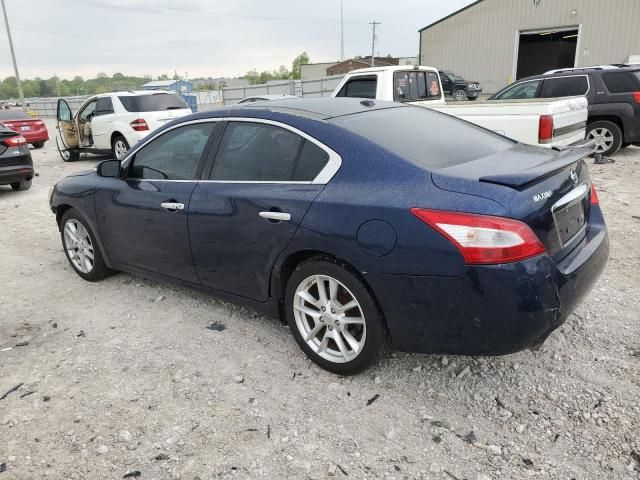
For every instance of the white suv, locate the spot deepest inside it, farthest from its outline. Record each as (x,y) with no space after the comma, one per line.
(113,122)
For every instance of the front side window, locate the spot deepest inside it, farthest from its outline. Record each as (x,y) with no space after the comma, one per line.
(360,87)
(622,82)
(564,87)
(88,111)
(257,152)
(172,156)
(519,91)
(414,86)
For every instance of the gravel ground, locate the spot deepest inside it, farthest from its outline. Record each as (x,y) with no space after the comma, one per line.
(130,375)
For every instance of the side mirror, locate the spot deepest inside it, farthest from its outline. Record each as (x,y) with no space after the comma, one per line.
(109,169)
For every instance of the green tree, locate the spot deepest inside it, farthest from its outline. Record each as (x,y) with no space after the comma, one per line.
(301,59)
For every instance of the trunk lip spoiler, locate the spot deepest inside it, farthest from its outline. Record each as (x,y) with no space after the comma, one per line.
(537,173)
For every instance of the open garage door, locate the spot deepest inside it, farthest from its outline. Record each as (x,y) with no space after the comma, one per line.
(541,51)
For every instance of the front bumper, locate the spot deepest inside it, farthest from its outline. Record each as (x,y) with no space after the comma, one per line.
(15,173)
(493,309)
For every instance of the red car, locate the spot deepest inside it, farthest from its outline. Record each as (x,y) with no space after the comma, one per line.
(32,129)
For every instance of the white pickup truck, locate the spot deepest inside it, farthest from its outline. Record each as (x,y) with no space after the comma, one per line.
(549,122)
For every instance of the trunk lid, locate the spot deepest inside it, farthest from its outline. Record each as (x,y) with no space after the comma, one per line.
(548,189)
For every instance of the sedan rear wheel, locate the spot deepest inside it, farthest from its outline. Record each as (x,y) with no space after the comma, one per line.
(81,248)
(334,318)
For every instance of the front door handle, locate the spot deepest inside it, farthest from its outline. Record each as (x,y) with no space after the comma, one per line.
(172,206)
(276,216)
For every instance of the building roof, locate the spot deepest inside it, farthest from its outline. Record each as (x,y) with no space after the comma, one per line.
(450,15)
(162,83)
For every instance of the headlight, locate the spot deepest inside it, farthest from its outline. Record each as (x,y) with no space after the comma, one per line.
(51,194)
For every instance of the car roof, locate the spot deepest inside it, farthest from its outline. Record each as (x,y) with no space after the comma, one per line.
(130,93)
(393,68)
(316,108)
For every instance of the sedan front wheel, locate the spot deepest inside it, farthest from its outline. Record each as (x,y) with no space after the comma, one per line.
(334,318)
(81,248)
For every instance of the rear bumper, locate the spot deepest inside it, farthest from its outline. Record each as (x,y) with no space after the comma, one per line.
(36,137)
(491,310)
(15,173)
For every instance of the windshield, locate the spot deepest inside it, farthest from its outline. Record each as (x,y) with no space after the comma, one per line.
(425,137)
(152,103)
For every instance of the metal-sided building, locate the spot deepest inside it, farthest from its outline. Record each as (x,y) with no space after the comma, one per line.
(498,41)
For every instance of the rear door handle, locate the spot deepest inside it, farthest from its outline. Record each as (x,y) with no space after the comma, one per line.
(277,216)
(172,206)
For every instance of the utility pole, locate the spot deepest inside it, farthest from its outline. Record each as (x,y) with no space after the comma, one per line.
(341,31)
(13,57)
(373,42)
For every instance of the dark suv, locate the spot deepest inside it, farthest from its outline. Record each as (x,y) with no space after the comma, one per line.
(613,92)
(459,88)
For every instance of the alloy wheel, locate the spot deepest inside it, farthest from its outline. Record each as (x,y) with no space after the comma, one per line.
(603,137)
(119,148)
(329,318)
(459,95)
(78,244)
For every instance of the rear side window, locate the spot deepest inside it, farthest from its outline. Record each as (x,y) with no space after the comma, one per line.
(417,85)
(622,82)
(104,106)
(255,152)
(564,87)
(172,156)
(312,160)
(360,87)
(425,137)
(520,91)
(152,103)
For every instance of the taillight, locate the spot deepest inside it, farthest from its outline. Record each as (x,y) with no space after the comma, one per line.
(545,129)
(10,125)
(483,239)
(38,123)
(14,141)
(139,125)
(636,97)
(594,196)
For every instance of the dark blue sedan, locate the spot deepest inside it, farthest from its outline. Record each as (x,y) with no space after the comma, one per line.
(362,224)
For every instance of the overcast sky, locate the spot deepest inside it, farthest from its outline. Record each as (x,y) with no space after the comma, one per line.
(206,38)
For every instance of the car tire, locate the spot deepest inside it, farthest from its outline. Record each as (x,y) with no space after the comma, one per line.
(318,323)
(119,146)
(473,98)
(21,185)
(80,249)
(38,145)
(607,135)
(459,95)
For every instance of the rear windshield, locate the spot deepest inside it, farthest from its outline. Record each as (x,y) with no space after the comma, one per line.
(152,103)
(424,137)
(13,115)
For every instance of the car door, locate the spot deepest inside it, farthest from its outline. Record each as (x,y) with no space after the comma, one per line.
(66,126)
(446,83)
(102,122)
(259,183)
(143,215)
